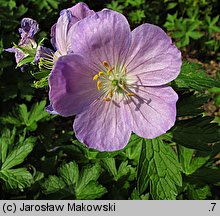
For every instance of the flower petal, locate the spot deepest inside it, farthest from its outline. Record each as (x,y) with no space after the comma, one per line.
(103,126)
(51,110)
(68,18)
(152,111)
(104,36)
(62,39)
(71,85)
(29,28)
(19,54)
(43,52)
(80,11)
(152,58)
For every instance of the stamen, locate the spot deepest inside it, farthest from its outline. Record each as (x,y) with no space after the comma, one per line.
(110,70)
(123,85)
(106,65)
(99,85)
(125,70)
(101,73)
(130,94)
(96,77)
(107,99)
(111,93)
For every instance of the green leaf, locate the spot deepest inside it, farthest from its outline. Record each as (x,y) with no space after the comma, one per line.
(92,190)
(23,113)
(124,170)
(19,153)
(69,173)
(82,185)
(159,166)
(195,35)
(21,116)
(53,184)
(110,166)
(190,104)
(87,174)
(37,112)
(16,178)
(41,83)
(25,60)
(133,149)
(198,193)
(41,74)
(115,6)
(193,77)
(200,176)
(136,196)
(196,133)
(87,186)
(6,141)
(189,160)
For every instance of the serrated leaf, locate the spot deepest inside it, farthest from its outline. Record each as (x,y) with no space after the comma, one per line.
(16,178)
(19,153)
(195,35)
(136,196)
(159,166)
(23,113)
(21,116)
(92,190)
(190,104)
(69,173)
(133,149)
(198,193)
(193,77)
(37,112)
(53,184)
(110,166)
(81,185)
(189,161)
(87,174)
(196,133)
(6,140)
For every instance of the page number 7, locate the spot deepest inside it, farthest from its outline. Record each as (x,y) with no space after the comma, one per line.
(213,206)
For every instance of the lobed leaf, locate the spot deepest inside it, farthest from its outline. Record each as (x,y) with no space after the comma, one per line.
(196,133)
(193,77)
(19,153)
(158,166)
(16,178)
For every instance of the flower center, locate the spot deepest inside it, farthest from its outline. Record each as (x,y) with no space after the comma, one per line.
(112,80)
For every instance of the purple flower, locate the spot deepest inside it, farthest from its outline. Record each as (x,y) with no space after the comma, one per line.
(115,81)
(61,34)
(29,28)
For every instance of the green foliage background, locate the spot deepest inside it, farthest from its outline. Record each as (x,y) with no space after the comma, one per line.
(40,157)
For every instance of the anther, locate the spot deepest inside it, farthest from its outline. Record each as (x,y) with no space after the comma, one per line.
(111,93)
(110,70)
(107,99)
(125,70)
(130,94)
(123,85)
(106,65)
(99,85)
(96,77)
(101,73)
